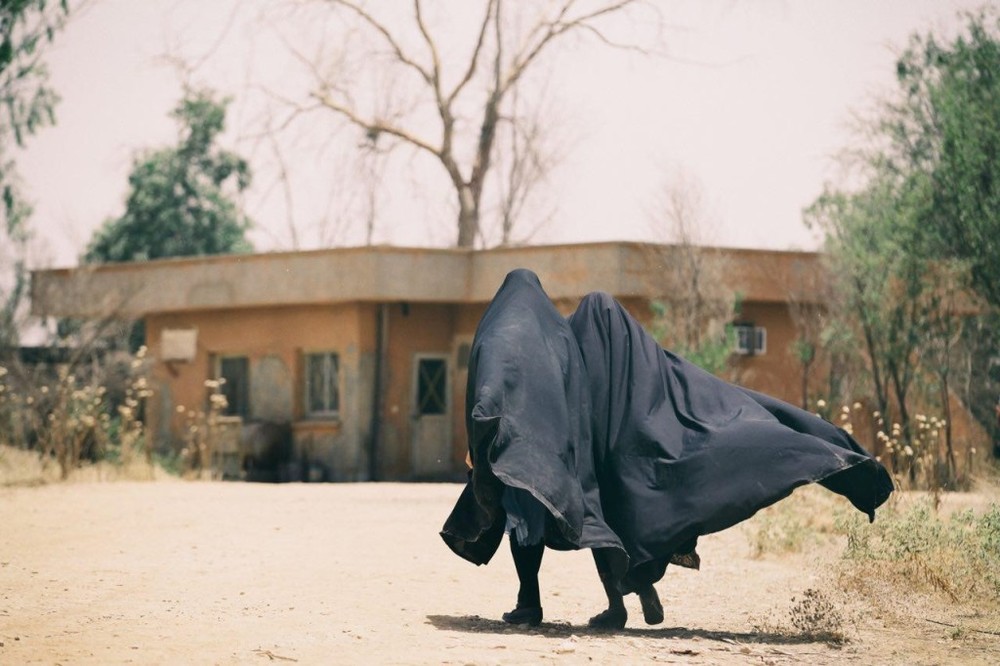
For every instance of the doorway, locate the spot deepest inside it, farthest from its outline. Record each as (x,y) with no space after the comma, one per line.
(431,416)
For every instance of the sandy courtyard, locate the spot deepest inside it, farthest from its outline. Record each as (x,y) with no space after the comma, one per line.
(229,573)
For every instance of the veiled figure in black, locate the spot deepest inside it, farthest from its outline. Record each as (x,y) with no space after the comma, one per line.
(585,433)
(528,423)
(680,453)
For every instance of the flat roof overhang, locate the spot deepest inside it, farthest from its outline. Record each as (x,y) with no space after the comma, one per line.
(394,274)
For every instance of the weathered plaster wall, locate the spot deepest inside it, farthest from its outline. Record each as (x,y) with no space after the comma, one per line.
(273,340)
(413,329)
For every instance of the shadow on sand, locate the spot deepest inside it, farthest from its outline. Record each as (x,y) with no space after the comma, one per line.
(563,630)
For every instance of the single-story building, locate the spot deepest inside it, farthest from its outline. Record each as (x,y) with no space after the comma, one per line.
(358,356)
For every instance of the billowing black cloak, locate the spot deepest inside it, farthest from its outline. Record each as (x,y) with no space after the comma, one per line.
(528,422)
(679,452)
(625,444)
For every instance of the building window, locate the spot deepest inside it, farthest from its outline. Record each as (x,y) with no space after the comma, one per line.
(750,340)
(322,394)
(432,386)
(235,370)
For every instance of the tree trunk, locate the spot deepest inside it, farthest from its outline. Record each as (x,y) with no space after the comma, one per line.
(468,217)
(949,446)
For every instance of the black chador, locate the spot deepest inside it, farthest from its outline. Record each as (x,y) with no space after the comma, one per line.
(585,433)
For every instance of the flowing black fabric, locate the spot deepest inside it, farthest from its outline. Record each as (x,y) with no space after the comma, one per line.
(680,453)
(632,451)
(528,422)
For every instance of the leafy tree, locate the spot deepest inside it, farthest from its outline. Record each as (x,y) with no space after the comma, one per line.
(694,316)
(890,291)
(948,127)
(923,226)
(180,201)
(27,104)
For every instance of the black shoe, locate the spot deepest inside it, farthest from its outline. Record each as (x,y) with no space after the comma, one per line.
(529,615)
(612,618)
(652,609)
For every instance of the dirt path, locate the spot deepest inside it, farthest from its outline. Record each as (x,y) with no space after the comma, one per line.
(230,573)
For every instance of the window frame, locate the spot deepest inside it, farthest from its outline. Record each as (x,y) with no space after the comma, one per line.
(757,336)
(230,410)
(307,411)
(443,398)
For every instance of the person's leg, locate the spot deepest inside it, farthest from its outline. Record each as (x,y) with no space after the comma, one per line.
(652,609)
(527,562)
(615,616)
(641,579)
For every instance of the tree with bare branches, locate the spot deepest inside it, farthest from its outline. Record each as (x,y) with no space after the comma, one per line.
(529,155)
(694,316)
(461,102)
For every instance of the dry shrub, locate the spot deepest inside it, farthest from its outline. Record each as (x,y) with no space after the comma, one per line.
(203,431)
(924,556)
(915,455)
(69,417)
(816,616)
(813,617)
(917,549)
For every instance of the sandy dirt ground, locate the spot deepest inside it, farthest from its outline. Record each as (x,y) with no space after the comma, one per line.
(178,572)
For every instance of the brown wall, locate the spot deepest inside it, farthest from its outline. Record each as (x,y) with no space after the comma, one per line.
(273,340)
(413,329)
(466,319)
(776,371)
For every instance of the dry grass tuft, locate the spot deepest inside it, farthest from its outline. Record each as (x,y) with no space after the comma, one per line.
(930,560)
(815,616)
(915,547)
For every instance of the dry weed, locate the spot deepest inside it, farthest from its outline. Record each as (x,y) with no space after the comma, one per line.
(815,616)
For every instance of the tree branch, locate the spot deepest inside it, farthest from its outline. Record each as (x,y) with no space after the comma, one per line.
(555,28)
(435,80)
(480,40)
(375,126)
(390,40)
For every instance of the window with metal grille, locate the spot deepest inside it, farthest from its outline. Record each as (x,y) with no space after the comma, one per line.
(432,386)
(322,391)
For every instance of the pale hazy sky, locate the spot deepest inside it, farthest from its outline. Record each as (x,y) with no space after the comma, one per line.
(753,105)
